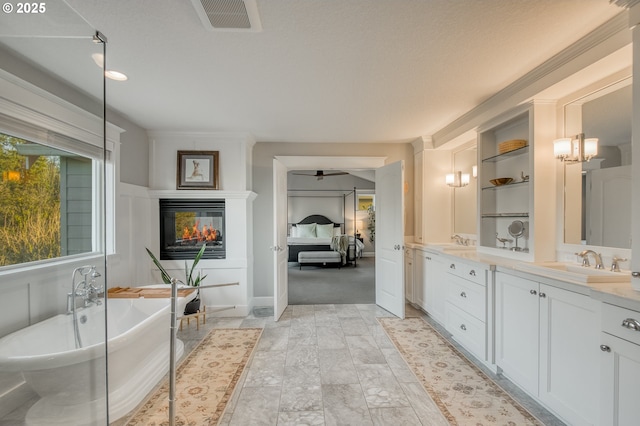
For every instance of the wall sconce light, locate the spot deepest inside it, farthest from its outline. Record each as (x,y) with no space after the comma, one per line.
(457,179)
(576,149)
(474,171)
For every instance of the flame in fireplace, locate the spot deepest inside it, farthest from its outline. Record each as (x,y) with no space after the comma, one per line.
(208,233)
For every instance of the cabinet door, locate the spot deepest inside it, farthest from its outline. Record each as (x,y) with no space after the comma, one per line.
(418,277)
(434,290)
(517,325)
(569,355)
(408,277)
(620,367)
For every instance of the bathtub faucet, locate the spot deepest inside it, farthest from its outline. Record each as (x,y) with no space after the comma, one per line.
(86,288)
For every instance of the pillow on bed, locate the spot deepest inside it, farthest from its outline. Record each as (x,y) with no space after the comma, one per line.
(294,231)
(337,231)
(324,231)
(306,230)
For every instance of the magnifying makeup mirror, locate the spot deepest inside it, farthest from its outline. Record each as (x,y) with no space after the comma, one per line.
(516,230)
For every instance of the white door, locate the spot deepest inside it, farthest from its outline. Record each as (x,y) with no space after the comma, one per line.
(390,238)
(517,327)
(569,356)
(280,291)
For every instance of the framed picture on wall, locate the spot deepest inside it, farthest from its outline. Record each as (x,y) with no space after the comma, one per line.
(197,170)
(365,201)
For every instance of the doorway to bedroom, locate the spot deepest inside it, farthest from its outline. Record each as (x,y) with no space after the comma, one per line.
(331,236)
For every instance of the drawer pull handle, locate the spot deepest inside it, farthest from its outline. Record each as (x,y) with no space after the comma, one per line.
(463,327)
(472,272)
(463,294)
(631,324)
(533,292)
(427,257)
(452,266)
(542,294)
(605,348)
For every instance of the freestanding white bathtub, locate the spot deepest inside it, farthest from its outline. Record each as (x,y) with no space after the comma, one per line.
(71,381)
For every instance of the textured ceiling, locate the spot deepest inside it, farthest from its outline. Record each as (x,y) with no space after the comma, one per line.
(328,70)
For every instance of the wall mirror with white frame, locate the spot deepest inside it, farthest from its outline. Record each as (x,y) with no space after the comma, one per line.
(597,193)
(465,200)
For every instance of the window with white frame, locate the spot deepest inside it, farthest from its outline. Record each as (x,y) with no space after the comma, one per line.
(50,197)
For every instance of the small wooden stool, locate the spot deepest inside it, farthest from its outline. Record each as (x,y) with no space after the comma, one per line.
(201,313)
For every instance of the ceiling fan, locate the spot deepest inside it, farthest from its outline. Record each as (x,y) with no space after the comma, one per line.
(321,174)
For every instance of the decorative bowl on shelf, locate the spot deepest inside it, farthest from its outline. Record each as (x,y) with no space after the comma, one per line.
(501,181)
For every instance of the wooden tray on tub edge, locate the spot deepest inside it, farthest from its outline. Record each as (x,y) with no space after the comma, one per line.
(135,292)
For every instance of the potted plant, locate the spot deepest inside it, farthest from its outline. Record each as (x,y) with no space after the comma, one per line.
(193,281)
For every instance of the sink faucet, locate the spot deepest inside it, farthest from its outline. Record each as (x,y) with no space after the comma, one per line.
(584,254)
(459,240)
(615,267)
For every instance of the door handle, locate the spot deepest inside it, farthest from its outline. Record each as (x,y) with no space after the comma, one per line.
(533,292)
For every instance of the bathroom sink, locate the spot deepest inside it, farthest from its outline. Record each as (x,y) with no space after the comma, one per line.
(572,272)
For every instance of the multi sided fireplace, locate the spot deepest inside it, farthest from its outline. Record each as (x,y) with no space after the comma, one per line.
(185,225)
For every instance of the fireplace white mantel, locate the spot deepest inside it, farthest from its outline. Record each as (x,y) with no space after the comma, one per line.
(210,194)
(238,264)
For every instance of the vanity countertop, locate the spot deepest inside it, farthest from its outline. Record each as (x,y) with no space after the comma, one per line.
(619,294)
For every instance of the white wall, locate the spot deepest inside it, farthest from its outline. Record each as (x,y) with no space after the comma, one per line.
(234,170)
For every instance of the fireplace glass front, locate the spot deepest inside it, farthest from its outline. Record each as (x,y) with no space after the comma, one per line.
(185,225)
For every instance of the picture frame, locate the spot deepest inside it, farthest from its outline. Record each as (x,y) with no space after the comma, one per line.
(198,170)
(365,201)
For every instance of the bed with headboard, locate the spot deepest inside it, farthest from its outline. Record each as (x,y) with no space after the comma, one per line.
(314,233)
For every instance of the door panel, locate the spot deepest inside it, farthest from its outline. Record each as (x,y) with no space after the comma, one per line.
(390,238)
(280,255)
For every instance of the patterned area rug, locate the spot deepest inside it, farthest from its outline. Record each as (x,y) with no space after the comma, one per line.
(204,380)
(464,394)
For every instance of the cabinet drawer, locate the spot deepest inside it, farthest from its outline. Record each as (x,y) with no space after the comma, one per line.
(466,329)
(466,271)
(468,296)
(621,322)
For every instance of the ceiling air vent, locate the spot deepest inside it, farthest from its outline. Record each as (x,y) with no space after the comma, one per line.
(228,15)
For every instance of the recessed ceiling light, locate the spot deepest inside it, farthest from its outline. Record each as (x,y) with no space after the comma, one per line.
(115,75)
(98,58)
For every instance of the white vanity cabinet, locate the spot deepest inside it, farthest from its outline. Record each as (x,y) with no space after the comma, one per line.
(408,274)
(429,289)
(466,305)
(547,342)
(620,366)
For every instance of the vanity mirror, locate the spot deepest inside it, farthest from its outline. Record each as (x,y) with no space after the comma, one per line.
(465,197)
(597,193)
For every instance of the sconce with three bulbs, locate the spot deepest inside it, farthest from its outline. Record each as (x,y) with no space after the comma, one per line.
(576,149)
(459,179)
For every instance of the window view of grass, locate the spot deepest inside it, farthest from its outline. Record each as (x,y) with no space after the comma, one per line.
(29,202)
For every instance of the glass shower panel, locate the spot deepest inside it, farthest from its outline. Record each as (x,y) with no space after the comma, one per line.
(53,313)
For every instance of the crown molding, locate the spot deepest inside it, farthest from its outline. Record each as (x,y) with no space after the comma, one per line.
(519,90)
(628,4)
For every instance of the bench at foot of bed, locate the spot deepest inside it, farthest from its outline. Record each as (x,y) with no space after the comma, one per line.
(319,257)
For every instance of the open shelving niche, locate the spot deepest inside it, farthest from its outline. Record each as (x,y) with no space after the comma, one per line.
(523,200)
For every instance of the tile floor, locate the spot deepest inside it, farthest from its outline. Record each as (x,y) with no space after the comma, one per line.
(331,365)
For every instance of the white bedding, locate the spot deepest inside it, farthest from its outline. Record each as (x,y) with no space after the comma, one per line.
(299,241)
(307,241)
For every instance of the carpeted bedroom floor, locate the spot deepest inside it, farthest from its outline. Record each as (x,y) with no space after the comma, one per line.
(328,284)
